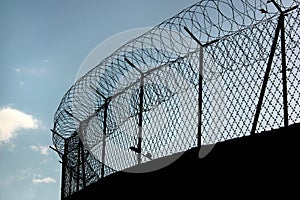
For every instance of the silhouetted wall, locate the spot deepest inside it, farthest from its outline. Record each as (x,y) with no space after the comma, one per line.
(263,165)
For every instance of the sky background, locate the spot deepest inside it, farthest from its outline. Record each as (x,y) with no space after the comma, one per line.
(43,44)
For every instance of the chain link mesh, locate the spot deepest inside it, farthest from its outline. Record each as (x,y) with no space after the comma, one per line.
(98,122)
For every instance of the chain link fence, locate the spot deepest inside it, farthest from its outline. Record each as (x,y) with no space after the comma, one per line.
(143,102)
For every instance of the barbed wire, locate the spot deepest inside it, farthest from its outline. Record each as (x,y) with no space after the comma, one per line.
(100,115)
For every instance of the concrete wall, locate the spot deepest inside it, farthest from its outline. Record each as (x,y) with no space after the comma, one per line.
(264,165)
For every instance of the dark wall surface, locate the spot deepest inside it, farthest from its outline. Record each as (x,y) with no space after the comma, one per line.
(265,165)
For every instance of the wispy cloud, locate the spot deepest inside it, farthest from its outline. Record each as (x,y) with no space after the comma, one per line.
(36,71)
(12,120)
(10,179)
(43,180)
(25,173)
(21,83)
(42,149)
(18,70)
(7,146)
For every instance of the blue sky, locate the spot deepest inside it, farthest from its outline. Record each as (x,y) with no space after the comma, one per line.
(43,44)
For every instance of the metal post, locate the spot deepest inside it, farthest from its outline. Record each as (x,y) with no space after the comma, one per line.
(63,177)
(283,60)
(82,164)
(104,136)
(78,166)
(284,82)
(70,181)
(200,81)
(140,124)
(266,77)
(138,150)
(105,107)
(200,97)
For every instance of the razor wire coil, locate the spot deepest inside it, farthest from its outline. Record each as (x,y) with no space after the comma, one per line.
(236,38)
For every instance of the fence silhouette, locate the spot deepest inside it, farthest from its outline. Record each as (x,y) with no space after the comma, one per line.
(215,71)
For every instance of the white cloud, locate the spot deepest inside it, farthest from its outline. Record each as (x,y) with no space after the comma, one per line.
(32,71)
(36,71)
(21,83)
(25,173)
(13,178)
(18,70)
(42,149)
(43,180)
(12,120)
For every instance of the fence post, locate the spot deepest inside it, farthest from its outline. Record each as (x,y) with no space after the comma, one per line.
(104,136)
(82,164)
(284,81)
(78,164)
(199,134)
(63,177)
(141,95)
(138,150)
(266,77)
(200,98)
